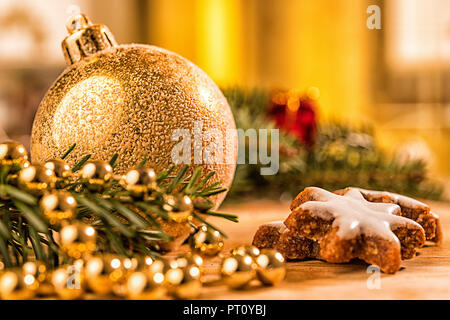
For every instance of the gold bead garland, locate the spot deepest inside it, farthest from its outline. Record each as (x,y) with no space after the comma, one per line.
(77,239)
(247,263)
(179,207)
(139,181)
(12,153)
(206,241)
(104,274)
(58,206)
(37,179)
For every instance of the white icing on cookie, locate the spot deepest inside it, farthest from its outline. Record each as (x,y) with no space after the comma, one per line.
(276,224)
(399,199)
(354,215)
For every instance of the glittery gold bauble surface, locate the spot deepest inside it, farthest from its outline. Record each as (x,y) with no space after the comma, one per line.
(130,99)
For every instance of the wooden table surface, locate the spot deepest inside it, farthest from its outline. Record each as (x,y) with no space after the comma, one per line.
(426,276)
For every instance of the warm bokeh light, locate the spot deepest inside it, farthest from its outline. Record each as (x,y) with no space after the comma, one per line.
(396,78)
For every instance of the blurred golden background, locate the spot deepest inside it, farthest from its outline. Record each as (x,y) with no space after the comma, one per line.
(396,77)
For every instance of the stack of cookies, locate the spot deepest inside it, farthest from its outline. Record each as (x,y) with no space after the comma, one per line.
(380,228)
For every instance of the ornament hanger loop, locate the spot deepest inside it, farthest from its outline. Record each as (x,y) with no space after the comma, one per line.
(77,22)
(85,39)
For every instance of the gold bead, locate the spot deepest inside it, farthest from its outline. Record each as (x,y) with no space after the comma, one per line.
(139,181)
(238,271)
(59,167)
(146,286)
(189,259)
(246,249)
(162,265)
(12,153)
(271,267)
(58,206)
(137,263)
(97,173)
(103,272)
(184,282)
(130,265)
(40,272)
(182,278)
(206,241)
(37,178)
(15,285)
(179,207)
(68,281)
(77,239)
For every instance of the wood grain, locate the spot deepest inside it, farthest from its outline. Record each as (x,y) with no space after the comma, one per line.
(427,276)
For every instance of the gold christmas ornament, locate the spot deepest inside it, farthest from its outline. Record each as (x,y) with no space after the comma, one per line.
(238,271)
(16,285)
(271,267)
(77,239)
(97,173)
(12,152)
(59,167)
(58,206)
(103,272)
(68,281)
(37,178)
(206,241)
(139,181)
(133,100)
(179,207)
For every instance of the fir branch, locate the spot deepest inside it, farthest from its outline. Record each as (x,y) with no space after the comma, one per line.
(66,154)
(81,163)
(113,160)
(124,225)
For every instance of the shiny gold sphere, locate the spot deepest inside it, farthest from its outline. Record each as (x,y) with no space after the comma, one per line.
(41,273)
(206,241)
(97,173)
(246,249)
(59,167)
(181,277)
(16,285)
(184,281)
(162,265)
(129,100)
(139,181)
(37,178)
(58,206)
(145,286)
(271,267)
(238,271)
(103,272)
(77,239)
(137,263)
(189,259)
(12,152)
(179,207)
